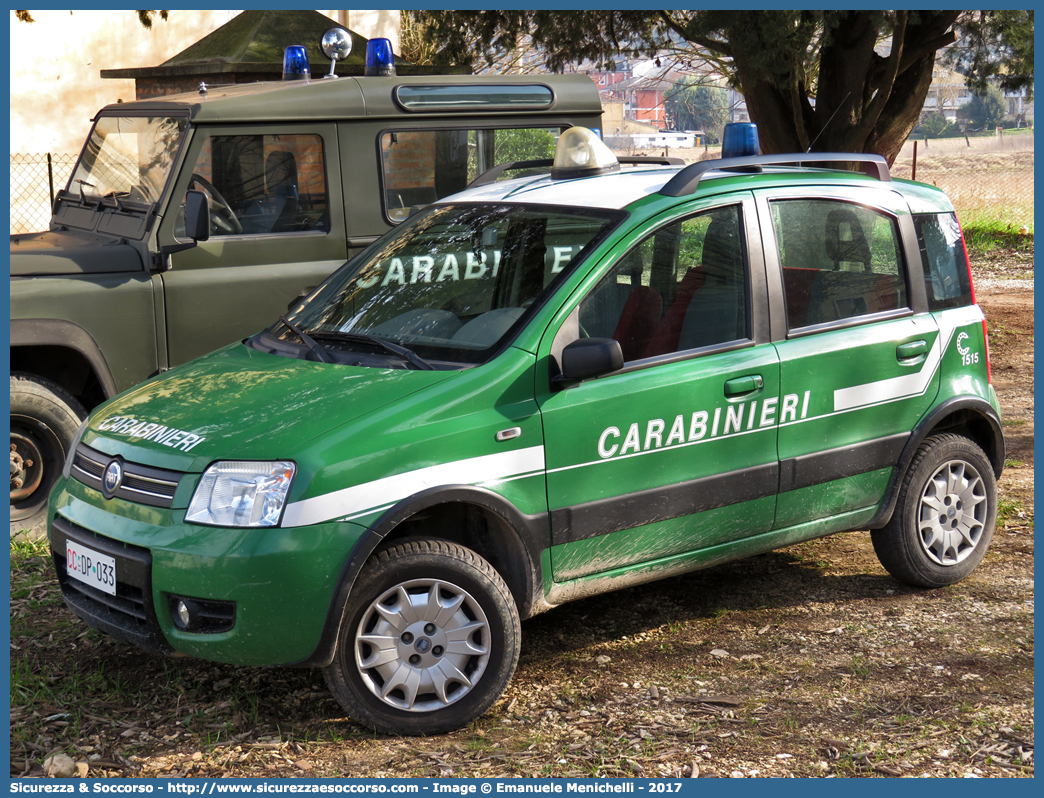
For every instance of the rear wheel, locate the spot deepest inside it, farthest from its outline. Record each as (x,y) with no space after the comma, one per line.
(944,519)
(44,419)
(429,640)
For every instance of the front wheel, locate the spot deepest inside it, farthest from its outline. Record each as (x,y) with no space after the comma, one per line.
(944,518)
(44,419)
(429,640)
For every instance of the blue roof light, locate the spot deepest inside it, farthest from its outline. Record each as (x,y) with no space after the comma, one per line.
(740,139)
(380,61)
(295,63)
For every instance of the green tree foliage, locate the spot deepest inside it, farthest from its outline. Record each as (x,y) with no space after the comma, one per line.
(698,107)
(144,17)
(985,109)
(524,144)
(934,125)
(827,80)
(995,47)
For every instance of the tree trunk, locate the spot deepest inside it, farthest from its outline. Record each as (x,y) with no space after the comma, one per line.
(866,102)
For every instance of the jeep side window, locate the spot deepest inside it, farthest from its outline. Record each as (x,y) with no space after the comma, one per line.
(945,263)
(421,166)
(683,287)
(840,260)
(261,184)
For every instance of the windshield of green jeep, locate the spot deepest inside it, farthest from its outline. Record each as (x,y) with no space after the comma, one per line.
(452,285)
(128,158)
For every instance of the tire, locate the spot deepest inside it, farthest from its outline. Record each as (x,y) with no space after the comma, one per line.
(422,683)
(44,420)
(944,517)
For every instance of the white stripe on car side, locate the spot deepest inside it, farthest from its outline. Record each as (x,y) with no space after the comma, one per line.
(909,385)
(363,500)
(381,493)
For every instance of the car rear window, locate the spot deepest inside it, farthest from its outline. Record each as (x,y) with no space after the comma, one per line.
(946,277)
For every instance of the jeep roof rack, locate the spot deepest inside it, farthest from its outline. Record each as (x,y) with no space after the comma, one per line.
(491,175)
(686,181)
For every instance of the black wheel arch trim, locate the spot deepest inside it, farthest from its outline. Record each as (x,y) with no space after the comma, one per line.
(58,332)
(531,533)
(928,425)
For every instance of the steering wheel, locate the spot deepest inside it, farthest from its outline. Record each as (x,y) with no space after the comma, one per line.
(222,217)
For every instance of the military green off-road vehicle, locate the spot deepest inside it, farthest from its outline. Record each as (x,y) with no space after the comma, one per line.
(298,176)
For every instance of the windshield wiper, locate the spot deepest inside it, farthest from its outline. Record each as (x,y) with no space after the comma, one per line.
(115,197)
(319,352)
(363,338)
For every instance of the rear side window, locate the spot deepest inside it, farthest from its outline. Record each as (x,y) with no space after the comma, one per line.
(422,166)
(946,276)
(840,260)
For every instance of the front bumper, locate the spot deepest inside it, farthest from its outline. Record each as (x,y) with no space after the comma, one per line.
(282,581)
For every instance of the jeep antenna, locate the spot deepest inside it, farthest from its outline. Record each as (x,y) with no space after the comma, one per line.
(827,124)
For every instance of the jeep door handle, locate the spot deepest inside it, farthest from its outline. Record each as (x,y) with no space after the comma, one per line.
(911,350)
(744,385)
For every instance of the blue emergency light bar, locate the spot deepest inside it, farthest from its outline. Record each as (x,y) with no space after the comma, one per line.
(295,63)
(740,140)
(380,61)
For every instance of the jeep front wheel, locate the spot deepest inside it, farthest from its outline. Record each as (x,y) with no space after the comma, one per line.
(429,640)
(944,519)
(44,419)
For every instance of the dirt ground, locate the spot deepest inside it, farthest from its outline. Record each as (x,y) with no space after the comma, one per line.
(810,661)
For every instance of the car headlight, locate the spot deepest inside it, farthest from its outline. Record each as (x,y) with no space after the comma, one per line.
(248,493)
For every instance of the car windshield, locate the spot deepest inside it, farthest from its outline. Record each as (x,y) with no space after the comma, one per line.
(453,284)
(128,158)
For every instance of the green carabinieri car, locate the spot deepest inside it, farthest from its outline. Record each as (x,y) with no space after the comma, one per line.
(537,390)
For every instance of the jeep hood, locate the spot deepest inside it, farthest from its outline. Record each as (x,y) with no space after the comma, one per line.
(53,253)
(241,404)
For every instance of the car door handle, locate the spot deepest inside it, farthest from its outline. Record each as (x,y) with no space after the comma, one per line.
(911,350)
(744,385)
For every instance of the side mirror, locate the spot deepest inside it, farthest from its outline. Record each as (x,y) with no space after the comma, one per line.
(590,357)
(197,216)
(197,228)
(336,44)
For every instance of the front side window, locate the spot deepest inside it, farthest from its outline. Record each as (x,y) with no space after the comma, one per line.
(452,285)
(262,184)
(128,158)
(682,287)
(422,166)
(840,260)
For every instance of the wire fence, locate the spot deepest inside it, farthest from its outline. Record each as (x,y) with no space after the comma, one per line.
(34,180)
(989,179)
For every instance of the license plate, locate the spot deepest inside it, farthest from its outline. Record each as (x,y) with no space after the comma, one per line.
(90,567)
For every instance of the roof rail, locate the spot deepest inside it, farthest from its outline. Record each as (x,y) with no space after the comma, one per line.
(491,175)
(686,181)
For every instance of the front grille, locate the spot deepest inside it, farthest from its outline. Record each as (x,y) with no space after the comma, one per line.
(129,615)
(141,484)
